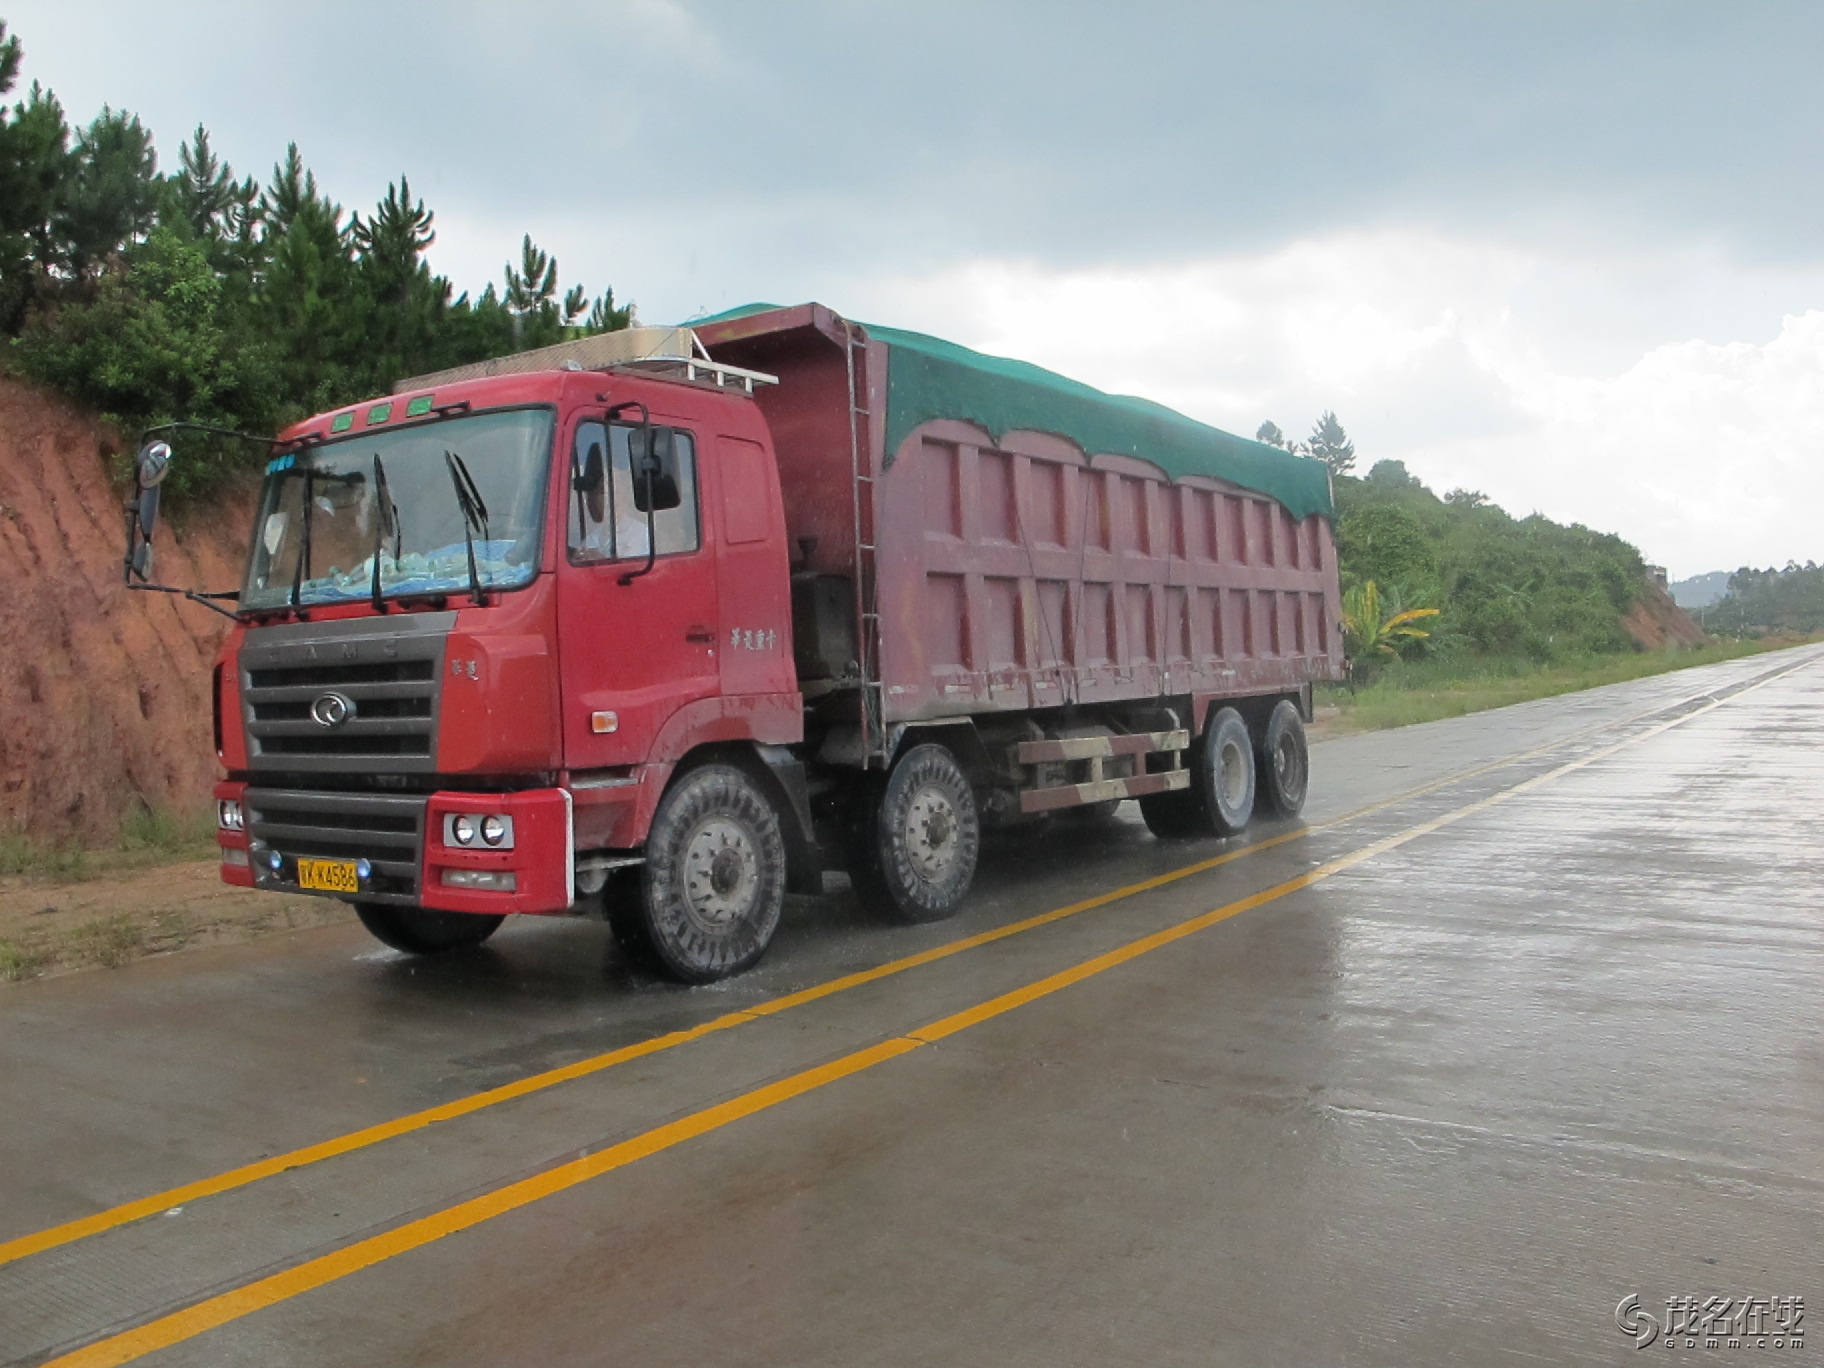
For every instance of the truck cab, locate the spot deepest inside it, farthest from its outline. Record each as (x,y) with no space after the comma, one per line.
(483,624)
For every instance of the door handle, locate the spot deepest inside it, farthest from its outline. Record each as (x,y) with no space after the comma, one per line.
(701,635)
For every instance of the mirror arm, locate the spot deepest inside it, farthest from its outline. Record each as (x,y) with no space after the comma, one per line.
(202,596)
(211,429)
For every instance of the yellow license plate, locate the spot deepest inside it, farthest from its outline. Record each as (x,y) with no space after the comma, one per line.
(328,876)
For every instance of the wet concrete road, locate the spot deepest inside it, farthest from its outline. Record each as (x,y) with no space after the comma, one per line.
(1524,1018)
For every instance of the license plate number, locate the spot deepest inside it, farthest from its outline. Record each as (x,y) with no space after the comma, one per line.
(328,876)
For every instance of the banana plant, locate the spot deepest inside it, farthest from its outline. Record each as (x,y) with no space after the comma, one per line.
(1375,626)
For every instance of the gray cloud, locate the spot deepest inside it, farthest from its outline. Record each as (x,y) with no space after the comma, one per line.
(784,143)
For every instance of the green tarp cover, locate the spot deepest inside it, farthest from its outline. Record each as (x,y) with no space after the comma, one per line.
(930,378)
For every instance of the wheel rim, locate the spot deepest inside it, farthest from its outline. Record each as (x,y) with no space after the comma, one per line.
(1232,776)
(932,833)
(721,874)
(1285,765)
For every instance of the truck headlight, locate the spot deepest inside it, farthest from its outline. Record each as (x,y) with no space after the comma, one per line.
(228,815)
(468,829)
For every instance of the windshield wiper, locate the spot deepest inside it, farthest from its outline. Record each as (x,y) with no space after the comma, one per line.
(297,574)
(474,517)
(386,517)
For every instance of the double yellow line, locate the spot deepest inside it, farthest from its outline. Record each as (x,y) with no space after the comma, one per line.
(39,1241)
(265,1292)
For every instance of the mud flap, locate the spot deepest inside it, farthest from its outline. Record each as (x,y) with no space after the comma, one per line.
(803,858)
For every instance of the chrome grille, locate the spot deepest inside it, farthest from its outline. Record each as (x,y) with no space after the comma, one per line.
(385,830)
(385,672)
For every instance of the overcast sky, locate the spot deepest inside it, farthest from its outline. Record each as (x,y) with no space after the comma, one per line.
(1568,254)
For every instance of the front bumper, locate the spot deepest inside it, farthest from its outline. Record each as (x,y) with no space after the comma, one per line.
(397,845)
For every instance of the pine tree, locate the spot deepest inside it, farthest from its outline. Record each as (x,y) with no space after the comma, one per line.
(205,189)
(605,317)
(293,187)
(307,288)
(531,297)
(34,159)
(203,200)
(1331,445)
(110,196)
(1269,433)
(402,302)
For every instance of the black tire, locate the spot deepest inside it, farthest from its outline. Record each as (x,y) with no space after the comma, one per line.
(714,876)
(1179,814)
(624,907)
(423,931)
(920,839)
(1283,762)
(1226,773)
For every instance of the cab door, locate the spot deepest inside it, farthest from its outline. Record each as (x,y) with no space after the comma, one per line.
(637,634)
(755,588)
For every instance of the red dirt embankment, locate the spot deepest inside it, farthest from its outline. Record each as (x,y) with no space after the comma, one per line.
(1656,622)
(104,694)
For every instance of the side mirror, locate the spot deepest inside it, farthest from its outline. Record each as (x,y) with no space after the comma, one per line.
(588,479)
(655,471)
(639,451)
(150,467)
(152,464)
(149,470)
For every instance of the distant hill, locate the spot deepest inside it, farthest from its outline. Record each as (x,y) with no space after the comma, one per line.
(1700,591)
(1789,600)
(1508,587)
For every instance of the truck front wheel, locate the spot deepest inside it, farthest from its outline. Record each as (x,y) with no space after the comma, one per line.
(714,875)
(920,841)
(425,931)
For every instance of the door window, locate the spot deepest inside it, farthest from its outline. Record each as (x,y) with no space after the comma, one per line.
(614,470)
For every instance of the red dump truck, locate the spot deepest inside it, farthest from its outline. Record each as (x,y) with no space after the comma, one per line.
(660,624)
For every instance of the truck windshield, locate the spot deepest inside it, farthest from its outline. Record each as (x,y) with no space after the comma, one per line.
(392,494)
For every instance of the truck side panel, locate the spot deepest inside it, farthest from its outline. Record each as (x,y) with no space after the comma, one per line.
(1025,575)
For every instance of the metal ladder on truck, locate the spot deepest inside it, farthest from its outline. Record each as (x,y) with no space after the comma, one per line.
(867,604)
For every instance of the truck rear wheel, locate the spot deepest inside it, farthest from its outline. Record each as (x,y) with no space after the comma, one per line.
(1178,814)
(423,931)
(1284,762)
(1227,773)
(1220,798)
(921,839)
(714,875)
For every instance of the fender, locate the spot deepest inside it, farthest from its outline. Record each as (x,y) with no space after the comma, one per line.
(757,719)
(769,719)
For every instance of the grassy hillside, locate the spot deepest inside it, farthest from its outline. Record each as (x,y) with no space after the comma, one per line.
(1507,588)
